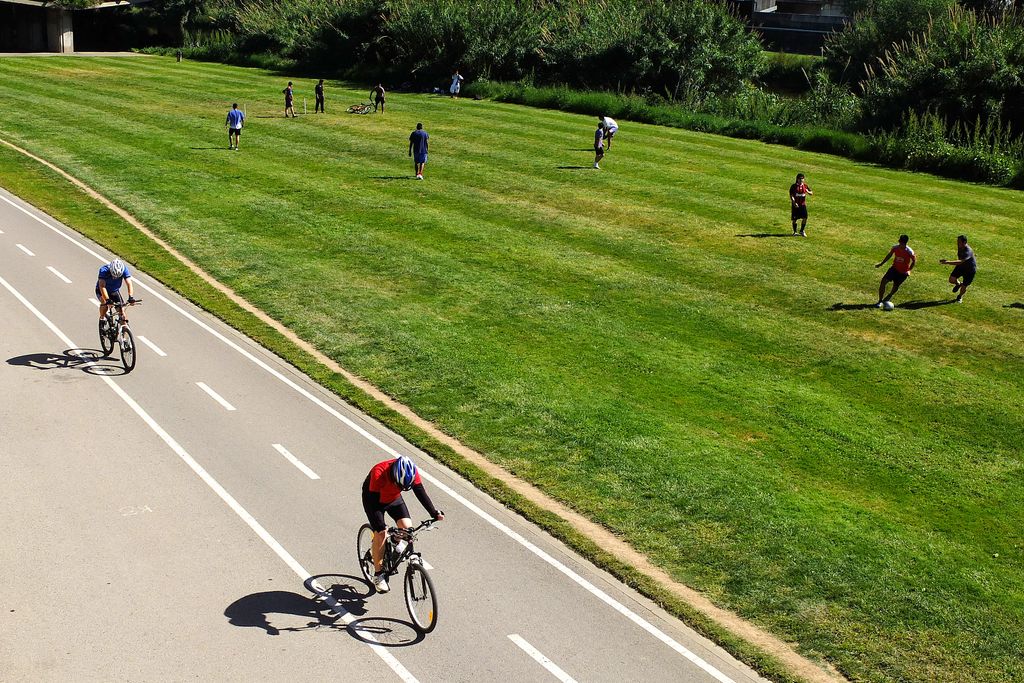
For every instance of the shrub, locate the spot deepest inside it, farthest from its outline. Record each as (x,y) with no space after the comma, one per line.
(878,25)
(963,67)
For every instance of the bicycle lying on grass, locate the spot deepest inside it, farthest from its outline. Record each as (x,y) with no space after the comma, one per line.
(114,330)
(420,596)
(360,109)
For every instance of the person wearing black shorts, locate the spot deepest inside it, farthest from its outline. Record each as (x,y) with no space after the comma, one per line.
(798,193)
(903,261)
(966,267)
(289,99)
(378,95)
(319,92)
(382,493)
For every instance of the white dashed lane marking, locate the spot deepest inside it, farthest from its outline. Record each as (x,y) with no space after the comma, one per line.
(156,349)
(58,274)
(295,461)
(539,657)
(24,249)
(215,396)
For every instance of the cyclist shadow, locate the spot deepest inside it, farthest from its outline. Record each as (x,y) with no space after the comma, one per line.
(271,610)
(256,611)
(91,361)
(385,631)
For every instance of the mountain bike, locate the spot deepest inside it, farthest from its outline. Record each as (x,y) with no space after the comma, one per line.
(114,330)
(360,109)
(420,596)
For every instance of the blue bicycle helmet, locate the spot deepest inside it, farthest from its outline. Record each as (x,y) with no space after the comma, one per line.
(403,472)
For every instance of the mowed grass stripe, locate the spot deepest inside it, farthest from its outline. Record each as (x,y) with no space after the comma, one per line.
(844,477)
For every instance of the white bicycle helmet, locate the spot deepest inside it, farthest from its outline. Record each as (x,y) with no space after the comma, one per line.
(116,268)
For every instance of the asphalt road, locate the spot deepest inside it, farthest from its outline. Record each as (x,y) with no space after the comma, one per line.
(154,526)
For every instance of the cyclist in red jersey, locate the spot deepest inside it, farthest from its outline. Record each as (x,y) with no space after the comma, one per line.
(382,492)
(903,261)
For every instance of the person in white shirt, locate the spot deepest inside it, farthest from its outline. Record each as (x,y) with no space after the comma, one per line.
(456,83)
(610,129)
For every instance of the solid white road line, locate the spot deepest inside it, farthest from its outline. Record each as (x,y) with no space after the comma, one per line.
(156,349)
(24,249)
(601,595)
(208,479)
(295,461)
(58,274)
(94,302)
(539,657)
(215,396)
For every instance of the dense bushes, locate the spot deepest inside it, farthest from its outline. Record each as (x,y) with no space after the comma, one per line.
(963,67)
(878,26)
(679,49)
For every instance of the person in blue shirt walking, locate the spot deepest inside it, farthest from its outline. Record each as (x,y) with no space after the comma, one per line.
(418,149)
(234,124)
(108,286)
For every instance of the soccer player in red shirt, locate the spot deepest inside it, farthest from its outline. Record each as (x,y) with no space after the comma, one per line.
(798,192)
(903,261)
(382,492)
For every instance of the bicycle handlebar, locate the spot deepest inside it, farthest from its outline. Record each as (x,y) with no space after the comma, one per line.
(410,534)
(122,304)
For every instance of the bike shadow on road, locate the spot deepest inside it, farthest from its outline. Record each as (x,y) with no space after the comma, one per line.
(91,361)
(276,612)
(350,593)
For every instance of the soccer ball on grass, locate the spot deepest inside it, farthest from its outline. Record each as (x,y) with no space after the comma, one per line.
(888,305)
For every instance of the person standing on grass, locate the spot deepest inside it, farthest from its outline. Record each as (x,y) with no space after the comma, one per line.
(610,129)
(289,97)
(418,149)
(798,192)
(903,261)
(319,92)
(456,84)
(377,96)
(966,268)
(234,123)
(599,144)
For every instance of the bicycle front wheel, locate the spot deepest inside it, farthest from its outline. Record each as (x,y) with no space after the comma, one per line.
(364,551)
(420,598)
(106,338)
(127,341)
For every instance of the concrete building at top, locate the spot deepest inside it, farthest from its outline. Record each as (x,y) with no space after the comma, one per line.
(36,26)
(793,25)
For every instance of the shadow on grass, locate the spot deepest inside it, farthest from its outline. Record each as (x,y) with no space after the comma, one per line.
(1014,305)
(915,305)
(761,235)
(392,177)
(573,168)
(849,307)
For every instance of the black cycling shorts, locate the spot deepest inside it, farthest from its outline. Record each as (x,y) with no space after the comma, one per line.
(375,510)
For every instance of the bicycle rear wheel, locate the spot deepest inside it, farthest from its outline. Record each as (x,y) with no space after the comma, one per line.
(364,551)
(127,349)
(106,338)
(420,598)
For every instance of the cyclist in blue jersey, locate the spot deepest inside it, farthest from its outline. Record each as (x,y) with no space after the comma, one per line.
(108,286)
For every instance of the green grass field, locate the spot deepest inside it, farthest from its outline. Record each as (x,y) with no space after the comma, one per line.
(847,478)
